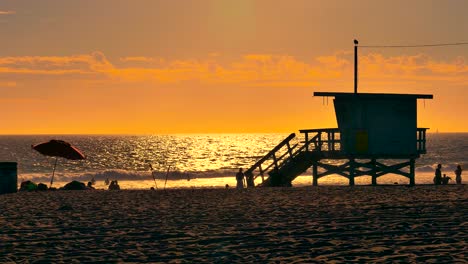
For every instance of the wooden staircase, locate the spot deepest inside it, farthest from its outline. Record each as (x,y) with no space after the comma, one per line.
(288,159)
(292,168)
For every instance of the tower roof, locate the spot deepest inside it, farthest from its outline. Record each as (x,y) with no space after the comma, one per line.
(375,95)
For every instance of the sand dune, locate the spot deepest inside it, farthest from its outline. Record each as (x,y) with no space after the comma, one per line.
(291,225)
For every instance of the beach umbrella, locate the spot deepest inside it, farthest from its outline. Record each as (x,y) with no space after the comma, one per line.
(58,149)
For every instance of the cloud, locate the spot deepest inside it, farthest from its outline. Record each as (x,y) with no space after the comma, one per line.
(55,65)
(141,59)
(339,61)
(420,67)
(249,70)
(7,12)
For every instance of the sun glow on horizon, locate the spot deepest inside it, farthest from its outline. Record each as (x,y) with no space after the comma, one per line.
(258,93)
(163,67)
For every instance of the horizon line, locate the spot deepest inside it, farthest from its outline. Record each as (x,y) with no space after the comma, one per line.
(182,133)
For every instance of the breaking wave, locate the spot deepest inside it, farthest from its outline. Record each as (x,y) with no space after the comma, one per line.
(124,175)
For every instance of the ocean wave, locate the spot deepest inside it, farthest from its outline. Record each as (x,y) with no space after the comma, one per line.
(128,175)
(448,168)
(426,168)
(125,175)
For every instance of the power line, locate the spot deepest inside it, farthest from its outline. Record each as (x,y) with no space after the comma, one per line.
(415,46)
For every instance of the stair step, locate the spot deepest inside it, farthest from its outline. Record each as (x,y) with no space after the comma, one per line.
(291,169)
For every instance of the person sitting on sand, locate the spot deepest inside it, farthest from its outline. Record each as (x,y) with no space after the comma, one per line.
(114,185)
(445,179)
(28,186)
(458,173)
(240,179)
(90,185)
(42,187)
(438,175)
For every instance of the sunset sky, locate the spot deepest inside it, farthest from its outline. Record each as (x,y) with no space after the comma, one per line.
(230,66)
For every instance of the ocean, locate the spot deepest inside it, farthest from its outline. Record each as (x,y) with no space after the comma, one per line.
(193,160)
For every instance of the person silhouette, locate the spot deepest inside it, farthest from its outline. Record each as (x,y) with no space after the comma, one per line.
(90,185)
(249,179)
(117,186)
(445,179)
(438,175)
(114,185)
(240,179)
(458,173)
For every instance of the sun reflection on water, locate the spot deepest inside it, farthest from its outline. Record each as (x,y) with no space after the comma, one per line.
(208,160)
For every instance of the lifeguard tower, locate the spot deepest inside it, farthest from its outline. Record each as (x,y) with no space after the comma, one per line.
(372,128)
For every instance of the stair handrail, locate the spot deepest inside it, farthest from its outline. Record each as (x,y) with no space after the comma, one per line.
(304,147)
(270,153)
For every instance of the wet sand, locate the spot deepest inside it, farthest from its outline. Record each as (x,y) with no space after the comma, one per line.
(339,224)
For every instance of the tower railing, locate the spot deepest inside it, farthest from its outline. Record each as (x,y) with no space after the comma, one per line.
(323,143)
(324,139)
(421,140)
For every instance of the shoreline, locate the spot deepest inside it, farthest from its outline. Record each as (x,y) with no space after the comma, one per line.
(231,187)
(220,182)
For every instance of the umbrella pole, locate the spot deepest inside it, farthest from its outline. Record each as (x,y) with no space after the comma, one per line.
(53,172)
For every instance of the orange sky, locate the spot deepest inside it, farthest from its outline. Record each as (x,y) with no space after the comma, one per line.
(221,66)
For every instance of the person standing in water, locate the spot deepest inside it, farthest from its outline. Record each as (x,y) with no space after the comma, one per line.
(240,179)
(458,173)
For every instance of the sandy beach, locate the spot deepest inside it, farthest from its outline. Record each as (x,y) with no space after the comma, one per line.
(338,224)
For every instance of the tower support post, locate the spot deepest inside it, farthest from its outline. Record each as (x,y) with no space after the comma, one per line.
(411,174)
(351,172)
(314,174)
(374,172)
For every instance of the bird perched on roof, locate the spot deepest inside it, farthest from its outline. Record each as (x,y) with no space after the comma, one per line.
(356,42)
